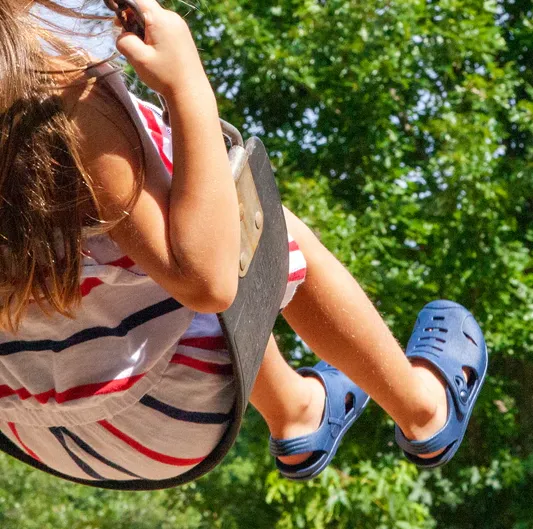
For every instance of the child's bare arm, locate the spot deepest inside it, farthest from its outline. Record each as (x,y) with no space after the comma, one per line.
(185,237)
(203,209)
(204,218)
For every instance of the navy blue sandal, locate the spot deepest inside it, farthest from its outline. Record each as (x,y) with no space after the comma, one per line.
(339,414)
(448,337)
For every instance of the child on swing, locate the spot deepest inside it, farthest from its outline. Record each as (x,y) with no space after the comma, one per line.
(112,364)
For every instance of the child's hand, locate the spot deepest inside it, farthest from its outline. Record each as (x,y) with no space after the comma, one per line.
(167,61)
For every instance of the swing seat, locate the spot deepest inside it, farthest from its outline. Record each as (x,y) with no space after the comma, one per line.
(248,323)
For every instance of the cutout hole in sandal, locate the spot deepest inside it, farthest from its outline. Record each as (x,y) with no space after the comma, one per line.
(468,337)
(349,403)
(470,376)
(434,329)
(466,381)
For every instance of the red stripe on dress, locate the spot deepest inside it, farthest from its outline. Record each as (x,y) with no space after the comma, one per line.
(22,393)
(201,365)
(152,454)
(92,282)
(88,284)
(293,246)
(297,275)
(122,262)
(29,451)
(78,392)
(156,135)
(211,343)
(6,391)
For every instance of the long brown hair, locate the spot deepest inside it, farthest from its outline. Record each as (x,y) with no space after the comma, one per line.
(43,185)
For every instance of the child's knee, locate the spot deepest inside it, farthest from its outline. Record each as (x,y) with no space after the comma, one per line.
(297,228)
(308,242)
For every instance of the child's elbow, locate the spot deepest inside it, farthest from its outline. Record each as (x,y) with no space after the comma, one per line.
(215,296)
(217,302)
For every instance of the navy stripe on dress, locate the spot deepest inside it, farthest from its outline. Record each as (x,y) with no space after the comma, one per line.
(198,417)
(58,434)
(127,324)
(92,452)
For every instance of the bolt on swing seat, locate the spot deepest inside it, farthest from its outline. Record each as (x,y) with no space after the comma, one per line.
(263,272)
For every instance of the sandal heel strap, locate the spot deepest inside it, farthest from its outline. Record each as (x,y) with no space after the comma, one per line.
(435,443)
(290,447)
(445,437)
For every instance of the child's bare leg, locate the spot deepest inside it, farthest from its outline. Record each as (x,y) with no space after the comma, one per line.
(291,405)
(333,315)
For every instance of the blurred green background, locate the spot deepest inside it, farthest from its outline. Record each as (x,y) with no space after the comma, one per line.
(402,132)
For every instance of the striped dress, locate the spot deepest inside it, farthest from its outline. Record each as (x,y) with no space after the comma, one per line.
(137,386)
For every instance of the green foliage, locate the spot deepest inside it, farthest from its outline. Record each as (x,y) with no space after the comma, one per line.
(401,131)
(380,494)
(30,499)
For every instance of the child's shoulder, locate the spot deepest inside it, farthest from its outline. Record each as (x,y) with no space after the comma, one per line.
(107,140)
(91,100)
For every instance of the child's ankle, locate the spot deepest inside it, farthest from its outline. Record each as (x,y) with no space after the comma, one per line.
(303,415)
(429,412)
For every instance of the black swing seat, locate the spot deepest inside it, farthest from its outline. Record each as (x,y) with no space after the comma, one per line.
(248,323)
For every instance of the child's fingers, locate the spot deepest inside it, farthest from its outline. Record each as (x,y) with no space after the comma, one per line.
(132,47)
(167,43)
(129,44)
(148,8)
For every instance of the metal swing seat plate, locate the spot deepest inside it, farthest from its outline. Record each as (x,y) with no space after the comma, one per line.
(248,323)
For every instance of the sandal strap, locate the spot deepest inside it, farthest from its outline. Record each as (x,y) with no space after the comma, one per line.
(444,438)
(455,383)
(336,386)
(294,446)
